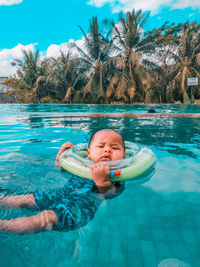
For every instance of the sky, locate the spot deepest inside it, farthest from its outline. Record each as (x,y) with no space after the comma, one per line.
(49,26)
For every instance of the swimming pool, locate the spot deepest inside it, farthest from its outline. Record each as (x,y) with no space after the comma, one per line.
(146,224)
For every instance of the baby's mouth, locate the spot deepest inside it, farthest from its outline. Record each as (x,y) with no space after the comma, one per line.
(105,158)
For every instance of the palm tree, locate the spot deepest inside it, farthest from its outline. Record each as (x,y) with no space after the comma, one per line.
(32,75)
(131,42)
(29,68)
(187,59)
(67,75)
(95,54)
(161,62)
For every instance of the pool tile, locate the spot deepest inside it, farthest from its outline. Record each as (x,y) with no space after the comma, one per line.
(84,263)
(134,259)
(193,248)
(87,253)
(133,232)
(194,261)
(117,256)
(131,221)
(116,243)
(179,249)
(133,245)
(147,247)
(173,235)
(197,233)
(153,200)
(154,211)
(102,256)
(149,261)
(104,241)
(145,233)
(148,253)
(158,234)
(156,222)
(197,220)
(142,211)
(167,210)
(119,232)
(185,222)
(189,235)
(162,249)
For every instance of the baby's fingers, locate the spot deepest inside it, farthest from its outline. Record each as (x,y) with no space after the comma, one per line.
(92,168)
(107,168)
(67,145)
(64,147)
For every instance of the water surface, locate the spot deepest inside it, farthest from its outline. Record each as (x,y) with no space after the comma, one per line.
(148,223)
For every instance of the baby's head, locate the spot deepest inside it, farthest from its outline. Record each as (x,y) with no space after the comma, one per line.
(105,145)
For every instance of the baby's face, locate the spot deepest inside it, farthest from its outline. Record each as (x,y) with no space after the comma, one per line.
(105,146)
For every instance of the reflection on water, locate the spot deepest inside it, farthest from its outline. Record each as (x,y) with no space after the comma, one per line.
(64,108)
(147,131)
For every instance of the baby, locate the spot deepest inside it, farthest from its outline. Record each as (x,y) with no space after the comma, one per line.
(75,204)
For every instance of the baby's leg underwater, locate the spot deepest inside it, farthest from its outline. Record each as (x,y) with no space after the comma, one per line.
(28,225)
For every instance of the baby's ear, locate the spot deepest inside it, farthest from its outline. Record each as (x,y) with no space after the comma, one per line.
(88,151)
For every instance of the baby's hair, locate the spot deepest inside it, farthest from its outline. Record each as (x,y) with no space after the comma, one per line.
(92,136)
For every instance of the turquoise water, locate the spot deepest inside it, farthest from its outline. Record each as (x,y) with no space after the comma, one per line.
(57,109)
(148,223)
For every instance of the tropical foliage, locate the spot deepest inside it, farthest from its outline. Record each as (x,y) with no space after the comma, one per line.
(124,63)
(187,59)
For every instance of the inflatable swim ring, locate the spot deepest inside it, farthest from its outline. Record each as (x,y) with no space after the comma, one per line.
(135,163)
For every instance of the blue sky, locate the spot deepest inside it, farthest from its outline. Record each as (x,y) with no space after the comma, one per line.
(49,25)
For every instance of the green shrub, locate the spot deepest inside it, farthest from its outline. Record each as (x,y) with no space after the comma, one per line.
(186,99)
(193,100)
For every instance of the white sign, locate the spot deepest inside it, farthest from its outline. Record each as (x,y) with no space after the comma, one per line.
(192,81)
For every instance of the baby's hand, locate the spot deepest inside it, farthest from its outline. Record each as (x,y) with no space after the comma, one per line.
(100,174)
(64,147)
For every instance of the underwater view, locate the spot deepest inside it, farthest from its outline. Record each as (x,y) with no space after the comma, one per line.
(153,222)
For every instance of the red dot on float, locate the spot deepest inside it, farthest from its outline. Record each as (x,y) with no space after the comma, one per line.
(117,172)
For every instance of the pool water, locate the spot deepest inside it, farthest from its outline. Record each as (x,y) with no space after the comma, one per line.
(62,108)
(148,223)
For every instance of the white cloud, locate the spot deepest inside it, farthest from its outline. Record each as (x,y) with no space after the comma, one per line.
(8,55)
(55,50)
(99,3)
(151,5)
(9,2)
(180,4)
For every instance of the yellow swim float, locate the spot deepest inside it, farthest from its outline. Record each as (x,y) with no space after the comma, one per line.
(136,162)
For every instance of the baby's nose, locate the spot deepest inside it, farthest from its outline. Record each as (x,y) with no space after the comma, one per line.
(107,148)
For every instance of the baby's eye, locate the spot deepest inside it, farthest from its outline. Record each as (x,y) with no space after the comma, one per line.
(116,148)
(100,146)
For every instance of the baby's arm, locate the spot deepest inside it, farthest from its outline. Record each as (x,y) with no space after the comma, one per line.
(19,201)
(64,147)
(100,174)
